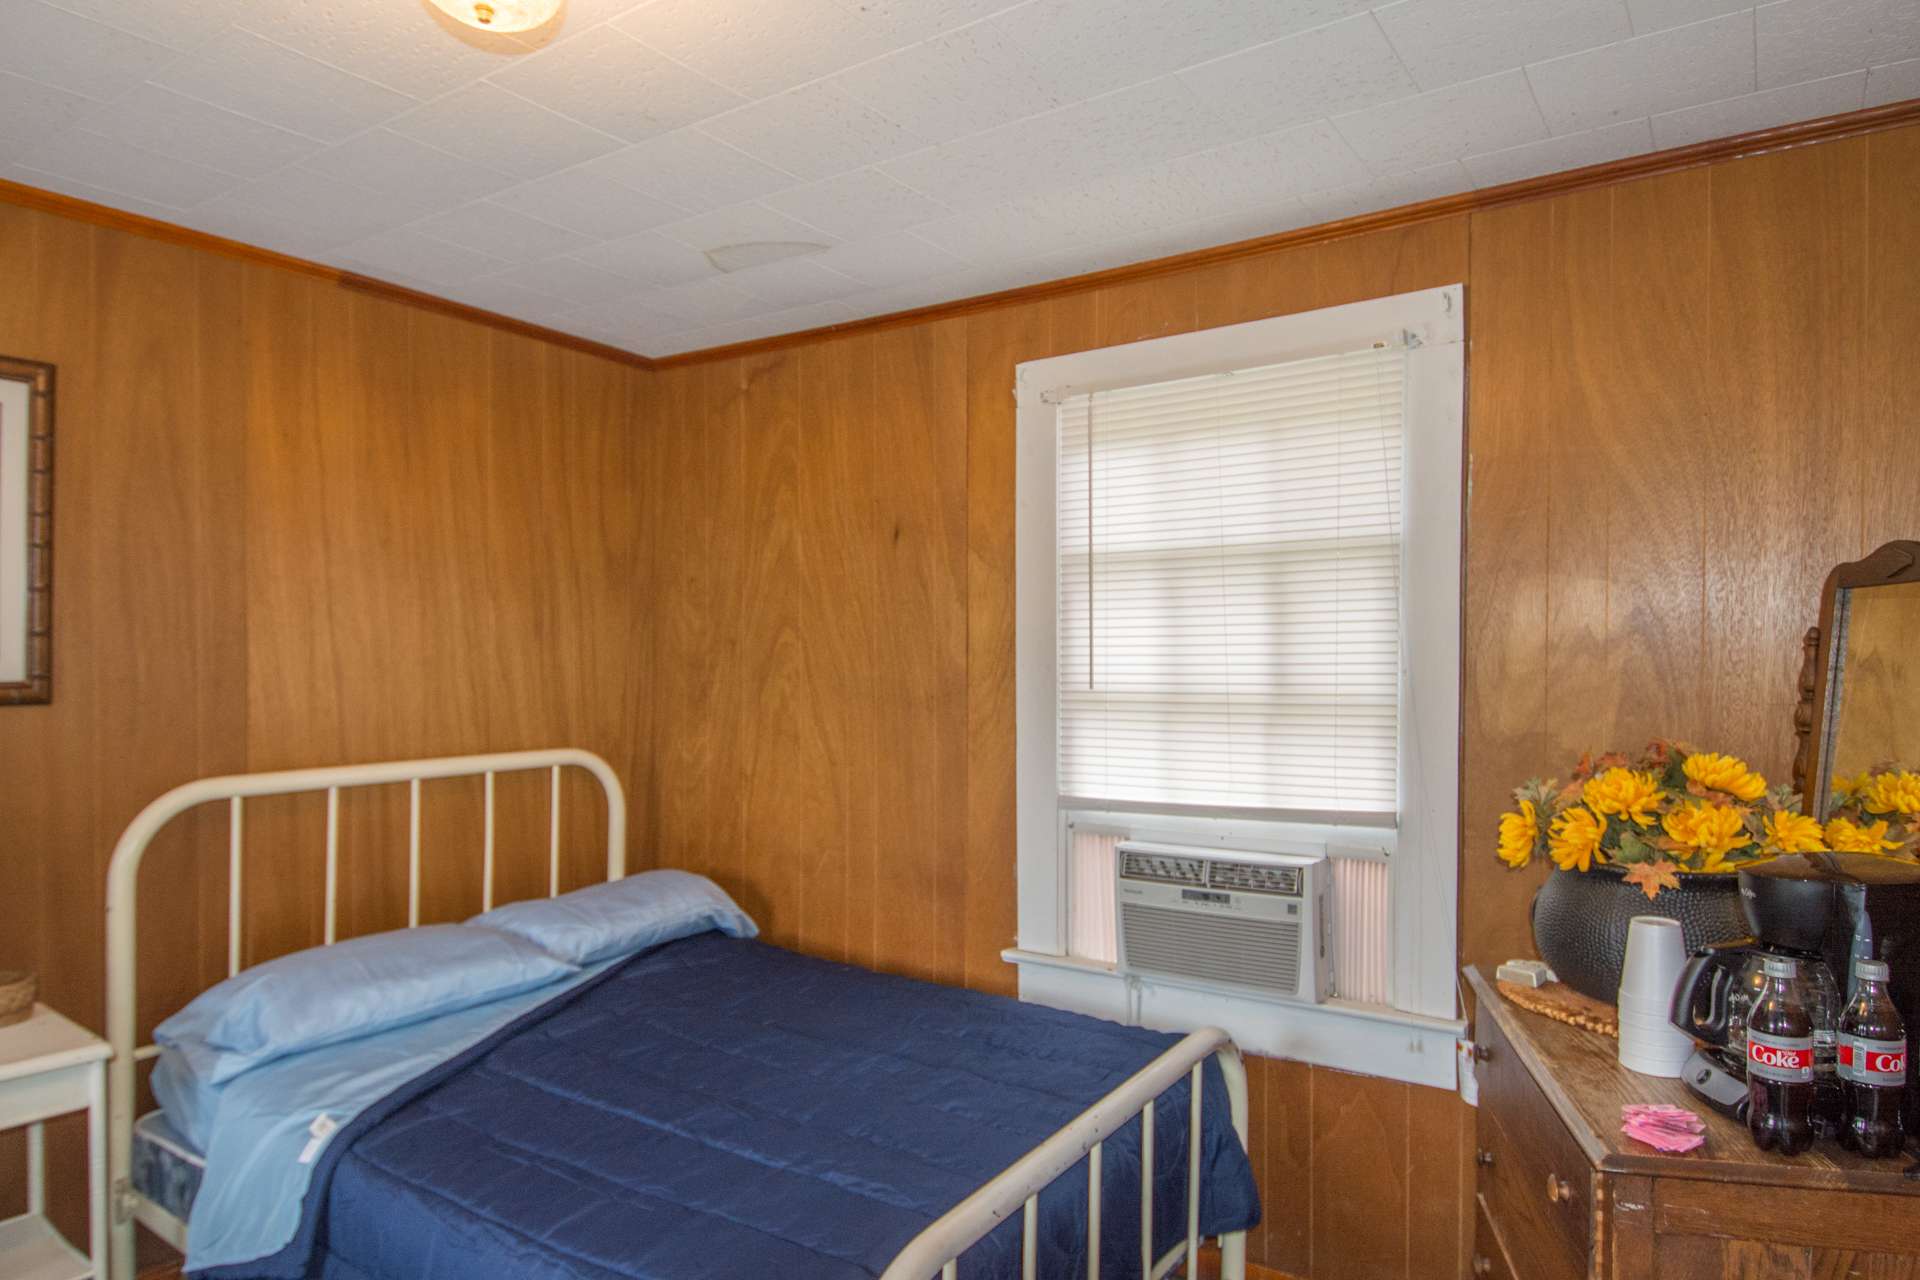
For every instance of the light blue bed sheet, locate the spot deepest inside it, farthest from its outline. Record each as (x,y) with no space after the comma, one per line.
(256,1129)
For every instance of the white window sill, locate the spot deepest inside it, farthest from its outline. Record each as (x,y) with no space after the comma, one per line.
(1370,1039)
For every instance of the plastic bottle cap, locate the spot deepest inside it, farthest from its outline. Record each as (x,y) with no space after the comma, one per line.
(1870,970)
(1780,967)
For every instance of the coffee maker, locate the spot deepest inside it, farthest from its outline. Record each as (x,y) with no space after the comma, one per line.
(1821,909)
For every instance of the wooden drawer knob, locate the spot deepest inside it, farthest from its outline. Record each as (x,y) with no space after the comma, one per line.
(1483,1158)
(1482,1053)
(1482,1265)
(1558,1189)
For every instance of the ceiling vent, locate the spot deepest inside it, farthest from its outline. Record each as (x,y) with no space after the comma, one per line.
(758,253)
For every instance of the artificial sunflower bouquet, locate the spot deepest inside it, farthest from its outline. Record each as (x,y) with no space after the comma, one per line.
(1677,809)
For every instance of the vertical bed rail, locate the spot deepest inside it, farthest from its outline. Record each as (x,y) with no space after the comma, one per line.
(123,882)
(937,1249)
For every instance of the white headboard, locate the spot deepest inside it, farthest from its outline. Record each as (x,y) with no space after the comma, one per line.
(123,879)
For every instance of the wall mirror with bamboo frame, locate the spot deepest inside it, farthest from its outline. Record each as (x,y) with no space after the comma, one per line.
(26,531)
(1861,690)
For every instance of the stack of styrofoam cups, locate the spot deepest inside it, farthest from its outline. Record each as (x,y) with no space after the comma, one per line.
(1649,1042)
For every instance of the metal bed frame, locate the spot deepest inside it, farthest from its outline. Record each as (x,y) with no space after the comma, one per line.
(935,1250)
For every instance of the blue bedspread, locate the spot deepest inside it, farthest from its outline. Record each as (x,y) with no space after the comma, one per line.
(723,1108)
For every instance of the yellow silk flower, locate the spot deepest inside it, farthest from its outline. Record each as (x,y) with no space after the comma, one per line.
(1846,837)
(1574,839)
(1708,830)
(1724,773)
(1790,832)
(1891,793)
(1844,788)
(1519,832)
(1623,793)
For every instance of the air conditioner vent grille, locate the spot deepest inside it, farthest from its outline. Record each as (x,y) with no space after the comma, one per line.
(1217,948)
(1160,867)
(1252,878)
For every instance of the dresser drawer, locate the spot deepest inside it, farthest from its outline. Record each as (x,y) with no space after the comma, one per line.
(1534,1181)
(1489,1255)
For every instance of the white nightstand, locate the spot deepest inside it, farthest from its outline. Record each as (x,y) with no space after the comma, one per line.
(50,1067)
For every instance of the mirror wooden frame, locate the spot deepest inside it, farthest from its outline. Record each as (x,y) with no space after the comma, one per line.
(37,530)
(1812,720)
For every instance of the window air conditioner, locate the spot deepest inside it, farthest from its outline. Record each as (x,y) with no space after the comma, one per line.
(1214,917)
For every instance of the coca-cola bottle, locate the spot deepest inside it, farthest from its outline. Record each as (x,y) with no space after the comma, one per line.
(1780,1062)
(1873,1064)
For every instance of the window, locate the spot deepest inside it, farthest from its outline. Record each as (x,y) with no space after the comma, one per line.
(1238,625)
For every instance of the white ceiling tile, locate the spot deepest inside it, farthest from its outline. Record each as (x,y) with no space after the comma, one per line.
(168,124)
(1895,82)
(420,257)
(111,165)
(1154,121)
(756,48)
(1658,15)
(256,78)
(1325,72)
(74,53)
(1761,110)
(1270,168)
(30,110)
(691,169)
(501,233)
(1429,183)
(1802,39)
(261,228)
(622,321)
(387,162)
(817,315)
(1556,155)
(711,301)
(648,259)
(319,210)
(81,191)
(813,132)
(880,262)
(956,84)
(742,224)
(493,294)
(1646,75)
(1491,114)
(1285,216)
(568,278)
(794,282)
(408,48)
(1020,228)
(1089,47)
(865,202)
(592,206)
(616,84)
(1444,42)
(500,130)
(176,25)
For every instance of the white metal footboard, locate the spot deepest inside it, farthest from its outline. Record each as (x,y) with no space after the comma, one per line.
(123,879)
(937,1249)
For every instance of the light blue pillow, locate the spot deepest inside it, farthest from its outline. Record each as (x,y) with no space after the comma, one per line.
(622,916)
(326,995)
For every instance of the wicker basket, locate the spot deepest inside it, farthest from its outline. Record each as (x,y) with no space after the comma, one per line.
(17,991)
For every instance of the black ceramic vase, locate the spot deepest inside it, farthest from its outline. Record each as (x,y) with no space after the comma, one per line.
(1580,921)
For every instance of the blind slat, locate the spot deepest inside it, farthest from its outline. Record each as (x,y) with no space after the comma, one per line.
(1229,587)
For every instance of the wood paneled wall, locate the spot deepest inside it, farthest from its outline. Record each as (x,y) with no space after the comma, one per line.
(296,524)
(1686,404)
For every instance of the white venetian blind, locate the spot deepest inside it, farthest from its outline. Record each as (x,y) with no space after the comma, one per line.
(1229,587)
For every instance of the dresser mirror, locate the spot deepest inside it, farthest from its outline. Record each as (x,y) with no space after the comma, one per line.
(1861,691)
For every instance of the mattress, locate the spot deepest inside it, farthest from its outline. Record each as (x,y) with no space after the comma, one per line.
(723,1108)
(166,1168)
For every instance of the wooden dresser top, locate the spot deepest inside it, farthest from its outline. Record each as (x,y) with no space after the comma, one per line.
(1581,1076)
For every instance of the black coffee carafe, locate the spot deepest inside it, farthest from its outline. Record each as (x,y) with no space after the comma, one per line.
(1824,910)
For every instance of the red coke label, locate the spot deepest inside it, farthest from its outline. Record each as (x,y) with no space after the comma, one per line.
(1788,1059)
(1873,1061)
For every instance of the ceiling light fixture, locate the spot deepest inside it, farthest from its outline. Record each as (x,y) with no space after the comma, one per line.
(500,15)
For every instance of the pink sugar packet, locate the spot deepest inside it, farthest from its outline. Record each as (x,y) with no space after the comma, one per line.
(1662,1126)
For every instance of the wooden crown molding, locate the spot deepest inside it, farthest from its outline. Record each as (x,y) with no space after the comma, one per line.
(100,215)
(1827,129)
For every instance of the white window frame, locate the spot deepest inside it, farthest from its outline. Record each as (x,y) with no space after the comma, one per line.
(1413,1039)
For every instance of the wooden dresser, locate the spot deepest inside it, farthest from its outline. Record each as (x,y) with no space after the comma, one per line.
(1563,1194)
